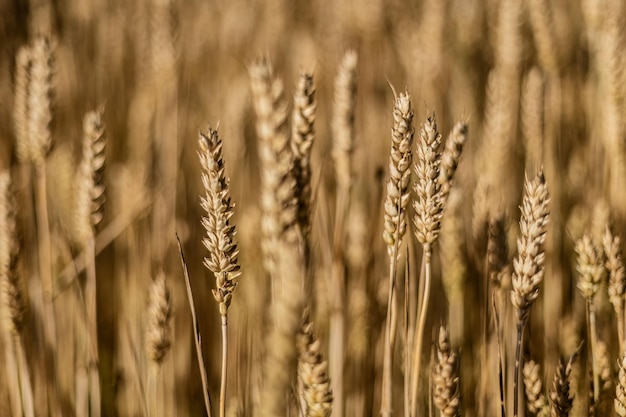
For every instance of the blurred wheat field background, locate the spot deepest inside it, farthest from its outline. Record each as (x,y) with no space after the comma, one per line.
(262,208)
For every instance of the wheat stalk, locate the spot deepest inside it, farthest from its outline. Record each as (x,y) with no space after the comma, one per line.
(428,207)
(590,266)
(396,203)
(89,213)
(528,265)
(219,240)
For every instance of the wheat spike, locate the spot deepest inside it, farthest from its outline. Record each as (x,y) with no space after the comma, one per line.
(590,266)
(343,119)
(450,157)
(278,193)
(446,383)
(158,337)
(11,292)
(39,103)
(535,399)
(560,399)
(615,266)
(399,174)
(428,205)
(313,372)
(528,265)
(219,240)
(302,137)
(90,188)
(23,69)
(497,249)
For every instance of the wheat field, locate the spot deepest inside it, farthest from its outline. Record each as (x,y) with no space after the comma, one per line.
(312,208)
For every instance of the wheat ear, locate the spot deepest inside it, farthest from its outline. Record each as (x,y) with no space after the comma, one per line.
(302,138)
(528,265)
(536,402)
(396,203)
(158,335)
(560,399)
(219,240)
(23,68)
(428,207)
(278,185)
(617,283)
(590,266)
(12,300)
(450,157)
(89,213)
(314,383)
(446,382)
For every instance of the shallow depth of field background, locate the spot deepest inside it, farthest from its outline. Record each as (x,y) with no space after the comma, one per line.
(541,84)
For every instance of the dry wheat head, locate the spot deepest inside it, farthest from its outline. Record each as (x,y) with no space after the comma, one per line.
(615,267)
(446,383)
(158,333)
(590,266)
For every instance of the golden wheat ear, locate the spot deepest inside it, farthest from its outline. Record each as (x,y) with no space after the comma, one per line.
(446,381)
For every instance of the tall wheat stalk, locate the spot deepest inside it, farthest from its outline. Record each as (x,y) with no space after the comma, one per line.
(528,265)
(219,240)
(428,208)
(89,213)
(396,203)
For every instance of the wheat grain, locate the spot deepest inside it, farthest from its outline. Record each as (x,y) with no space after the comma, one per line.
(450,157)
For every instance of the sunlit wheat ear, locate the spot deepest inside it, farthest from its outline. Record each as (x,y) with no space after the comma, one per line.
(451,157)
(23,67)
(302,137)
(342,123)
(428,204)
(528,265)
(13,305)
(90,187)
(399,173)
(535,399)
(590,266)
(158,332)
(39,103)
(314,383)
(561,400)
(620,389)
(219,240)
(446,382)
